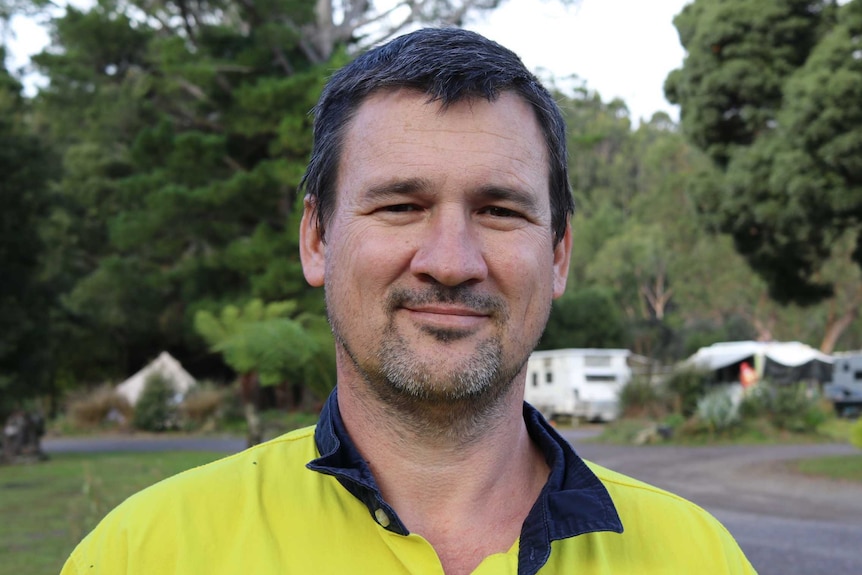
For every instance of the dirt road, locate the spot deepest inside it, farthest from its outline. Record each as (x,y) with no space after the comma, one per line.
(786,523)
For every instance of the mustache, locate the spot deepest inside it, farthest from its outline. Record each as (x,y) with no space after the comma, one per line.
(461,295)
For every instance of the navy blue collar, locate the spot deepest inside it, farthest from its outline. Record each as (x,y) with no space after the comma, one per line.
(573,501)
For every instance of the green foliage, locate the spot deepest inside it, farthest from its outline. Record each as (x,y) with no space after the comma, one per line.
(703,333)
(587,317)
(718,410)
(856,434)
(640,398)
(25,165)
(756,403)
(687,385)
(787,407)
(626,431)
(792,409)
(156,409)
(263,338)
(183,147)
(772,91)
(181,137)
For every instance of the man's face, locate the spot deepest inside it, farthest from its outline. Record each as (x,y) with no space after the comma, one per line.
(439,263)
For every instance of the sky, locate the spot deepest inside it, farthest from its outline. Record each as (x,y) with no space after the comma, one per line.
(619,48)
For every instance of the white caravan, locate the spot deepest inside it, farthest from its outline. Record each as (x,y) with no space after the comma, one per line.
(577,383)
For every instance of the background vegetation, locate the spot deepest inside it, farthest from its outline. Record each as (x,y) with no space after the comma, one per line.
(149,190)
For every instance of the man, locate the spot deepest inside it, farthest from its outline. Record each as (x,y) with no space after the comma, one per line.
(437,220)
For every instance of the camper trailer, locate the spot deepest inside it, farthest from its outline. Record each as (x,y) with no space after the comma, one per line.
(845,390)
(577,383)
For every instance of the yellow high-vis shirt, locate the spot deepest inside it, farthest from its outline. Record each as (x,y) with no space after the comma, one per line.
(306,503)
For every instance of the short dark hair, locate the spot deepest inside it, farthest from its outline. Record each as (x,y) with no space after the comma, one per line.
(450,65)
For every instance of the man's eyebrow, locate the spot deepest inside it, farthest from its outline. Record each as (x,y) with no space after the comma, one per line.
(524,200)
(395,188)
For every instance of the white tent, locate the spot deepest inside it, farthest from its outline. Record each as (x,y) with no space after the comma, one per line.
(773,359)
(164,365)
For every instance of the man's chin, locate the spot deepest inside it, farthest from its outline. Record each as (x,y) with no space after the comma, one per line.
(447,335)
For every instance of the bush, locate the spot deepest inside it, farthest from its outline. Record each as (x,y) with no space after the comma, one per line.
(156,409)
(791,409)
(756,402)
(202,405)
(639,398)
(786,407)
(718,410)
(687,385)
(98,407)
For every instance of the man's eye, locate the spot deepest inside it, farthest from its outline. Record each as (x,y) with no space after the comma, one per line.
(398,208)
(499,212)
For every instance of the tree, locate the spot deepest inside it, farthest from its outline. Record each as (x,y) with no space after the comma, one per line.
(25,165)
(266,346)
(772,91)
(587,317)
(184,131)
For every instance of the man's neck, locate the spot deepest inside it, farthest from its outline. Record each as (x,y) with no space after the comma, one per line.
(451,488)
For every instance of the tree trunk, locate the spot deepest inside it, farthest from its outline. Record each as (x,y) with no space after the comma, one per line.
(252,420)
(249,390)
(836,328)
(22,438)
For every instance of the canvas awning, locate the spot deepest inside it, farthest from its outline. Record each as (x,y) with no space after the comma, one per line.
(164,365)
(774,360)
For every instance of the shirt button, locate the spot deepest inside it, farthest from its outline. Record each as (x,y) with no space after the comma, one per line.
(381,517)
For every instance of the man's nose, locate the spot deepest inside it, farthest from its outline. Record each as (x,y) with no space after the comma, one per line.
(450,252)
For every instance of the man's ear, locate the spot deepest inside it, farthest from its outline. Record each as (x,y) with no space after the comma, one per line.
(562,257)
(312,250)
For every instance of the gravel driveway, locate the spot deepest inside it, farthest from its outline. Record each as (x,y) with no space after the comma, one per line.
(787,524)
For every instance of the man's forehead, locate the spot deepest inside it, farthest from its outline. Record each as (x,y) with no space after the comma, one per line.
(394,122)
(403,110)
(438,104)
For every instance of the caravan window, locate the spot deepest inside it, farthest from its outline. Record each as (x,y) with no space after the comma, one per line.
(601,378)
(597,361)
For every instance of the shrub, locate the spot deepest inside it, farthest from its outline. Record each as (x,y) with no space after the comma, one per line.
(687,385)
(156,409)
(99,406)
(202,404)
(639,398)
(791,409)
(718,410)
(756,402)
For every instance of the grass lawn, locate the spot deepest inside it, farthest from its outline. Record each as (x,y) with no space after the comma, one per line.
(844,467)
(751,432)
(46,508)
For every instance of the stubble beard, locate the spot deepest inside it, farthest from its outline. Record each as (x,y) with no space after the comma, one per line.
(450,403)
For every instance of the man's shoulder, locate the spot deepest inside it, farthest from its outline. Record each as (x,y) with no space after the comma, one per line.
(190,515)
(620,482)
(640,503)
(223,479)
(662,529)
(625,489)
